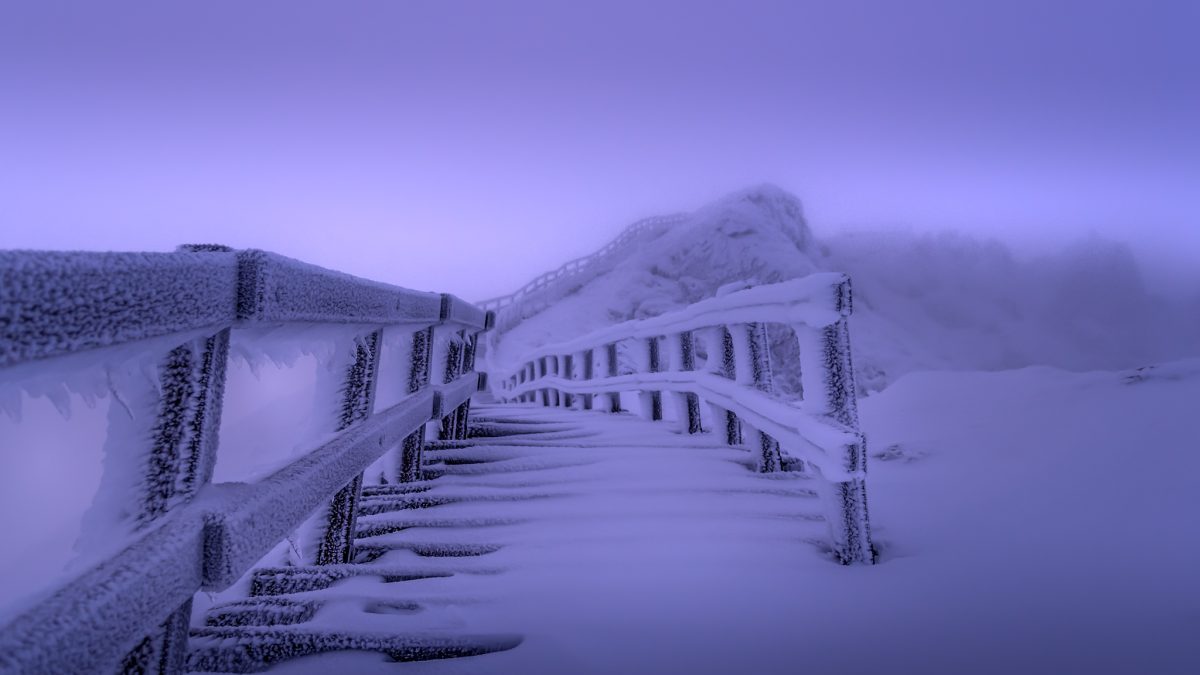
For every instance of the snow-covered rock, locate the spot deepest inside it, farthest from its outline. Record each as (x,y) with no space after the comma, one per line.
(922,301)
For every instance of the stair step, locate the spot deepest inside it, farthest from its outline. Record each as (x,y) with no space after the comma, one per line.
(267,581)
(376,528)
(378,505)
(395,489)
(266,611)
(255,649)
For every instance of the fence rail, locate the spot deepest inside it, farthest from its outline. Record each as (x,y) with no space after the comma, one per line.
(131,611)
(821,430)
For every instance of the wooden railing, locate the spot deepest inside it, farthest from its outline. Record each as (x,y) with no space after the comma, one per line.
(535,295)
(820,431)
(131,611)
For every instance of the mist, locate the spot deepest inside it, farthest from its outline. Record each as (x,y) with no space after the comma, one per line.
(452,127)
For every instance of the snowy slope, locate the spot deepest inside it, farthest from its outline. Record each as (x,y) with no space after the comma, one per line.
(922,301)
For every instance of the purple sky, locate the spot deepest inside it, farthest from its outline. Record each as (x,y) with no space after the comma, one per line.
(361,135)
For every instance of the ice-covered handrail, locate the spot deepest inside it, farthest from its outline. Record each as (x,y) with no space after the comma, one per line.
(510,307)
(131,611)
(812,301)
(820,431)
(56,302)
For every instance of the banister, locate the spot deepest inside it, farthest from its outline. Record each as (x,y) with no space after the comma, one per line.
(55,304)
(821,431)
(579,265)
(815,301)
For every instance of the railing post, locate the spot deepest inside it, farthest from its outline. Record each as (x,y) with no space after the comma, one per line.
(358,400)
(827,375)
(683,358)
(568,373)
(413,446)
(181,458)
(610,370)
(553,392)
(652,399)
(722,361)
(468,365)
(447,368)
(452,361)
(588,358)
(752,367)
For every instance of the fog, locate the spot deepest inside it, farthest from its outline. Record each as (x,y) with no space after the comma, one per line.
(469,146)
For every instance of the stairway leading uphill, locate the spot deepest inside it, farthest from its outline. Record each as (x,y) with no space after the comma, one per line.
(540,519)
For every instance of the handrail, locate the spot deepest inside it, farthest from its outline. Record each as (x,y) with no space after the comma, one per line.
(820,431)
(579,267)
(192,534)
(56,302)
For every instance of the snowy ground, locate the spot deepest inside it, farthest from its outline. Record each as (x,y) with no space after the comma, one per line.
(1032,521)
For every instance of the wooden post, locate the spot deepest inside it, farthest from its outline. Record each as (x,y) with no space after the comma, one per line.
(180,460)
(450,423)
(588,358)
(683,358)
(725,364)
(413,446)
(652,400)
(358,400)
(827,375)
(470,348)
(752,367)
(568,373)
(610,370)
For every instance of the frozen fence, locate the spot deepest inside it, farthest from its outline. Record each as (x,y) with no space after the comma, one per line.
(820,431)
(538,294)
(131,611)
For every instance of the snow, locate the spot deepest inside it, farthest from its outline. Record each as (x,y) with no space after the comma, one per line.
(1040,525)
(923,302)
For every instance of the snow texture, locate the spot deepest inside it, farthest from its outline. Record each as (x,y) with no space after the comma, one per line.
(55,303)
(273,288)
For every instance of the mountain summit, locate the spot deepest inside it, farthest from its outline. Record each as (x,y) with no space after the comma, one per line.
(923,301)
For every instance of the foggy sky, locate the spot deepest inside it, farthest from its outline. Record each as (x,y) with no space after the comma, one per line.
(467,146)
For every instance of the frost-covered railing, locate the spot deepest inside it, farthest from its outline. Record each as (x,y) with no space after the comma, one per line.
(516,306)
(131,611)
(820,431)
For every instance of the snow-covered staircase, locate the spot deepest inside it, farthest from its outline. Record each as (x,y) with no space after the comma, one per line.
(646,472)
(438,561)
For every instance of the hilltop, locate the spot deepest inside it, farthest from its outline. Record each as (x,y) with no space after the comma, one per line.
(922,301)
